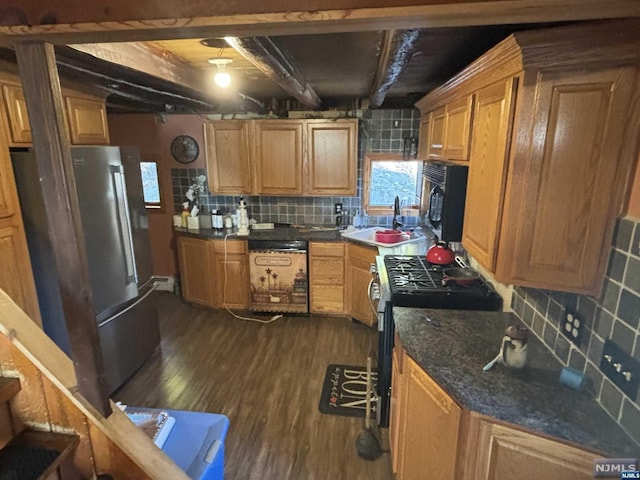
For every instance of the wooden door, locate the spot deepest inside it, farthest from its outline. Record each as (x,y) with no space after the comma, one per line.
(509,453)
(16,107)
(436,132)
(16,276)
(332,154)
(429,443)
(567,180)
(278,157)
(326,277)
(423,143)
(456,129)
(359,260)
(230,274)
(488,158)
(195,270)
(227,152)
(87,121)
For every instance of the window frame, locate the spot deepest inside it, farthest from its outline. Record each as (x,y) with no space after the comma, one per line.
(410,210)
(153,207)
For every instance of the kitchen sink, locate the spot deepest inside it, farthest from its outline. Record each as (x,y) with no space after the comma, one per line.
(368,236)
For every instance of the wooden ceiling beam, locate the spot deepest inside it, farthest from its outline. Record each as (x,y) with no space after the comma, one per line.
(68,21)
(395,52)
(277,65)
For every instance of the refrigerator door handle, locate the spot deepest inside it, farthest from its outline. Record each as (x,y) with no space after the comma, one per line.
(134,304)
(123,217)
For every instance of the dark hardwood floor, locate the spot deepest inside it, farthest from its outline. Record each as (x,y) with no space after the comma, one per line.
(267,379)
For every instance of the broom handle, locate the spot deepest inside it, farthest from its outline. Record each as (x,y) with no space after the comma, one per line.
(367,415)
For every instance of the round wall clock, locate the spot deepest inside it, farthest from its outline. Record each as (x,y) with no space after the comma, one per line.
(184,149)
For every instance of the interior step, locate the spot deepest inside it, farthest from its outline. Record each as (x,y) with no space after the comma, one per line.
(33,455)
(8,388)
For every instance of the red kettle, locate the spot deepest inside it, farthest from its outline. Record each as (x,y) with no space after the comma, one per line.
(440,254)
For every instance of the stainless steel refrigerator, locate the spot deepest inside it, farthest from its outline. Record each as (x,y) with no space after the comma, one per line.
(116,235)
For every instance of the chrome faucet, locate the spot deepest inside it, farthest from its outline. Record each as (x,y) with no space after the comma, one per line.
(396,213)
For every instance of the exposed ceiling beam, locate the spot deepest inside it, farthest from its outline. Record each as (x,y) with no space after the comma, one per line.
(396,50)
(276,64)
(64,21)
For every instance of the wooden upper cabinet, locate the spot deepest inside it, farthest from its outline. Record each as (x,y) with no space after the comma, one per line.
(436,132)
(228,156)
(16,107)
(278,157)
(87,121)
(423,139)
(457,126)
(332,154)
(567,178)
(505,452)
(488,157)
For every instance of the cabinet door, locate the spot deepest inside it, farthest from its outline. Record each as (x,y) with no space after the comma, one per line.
(429,443)
(17,111)
(228,156)
(423,145)
(278,157)
(87,121)
(508,453)
(331,157)
(359,260)
(326,277)
(230,273)
(456,129)
(397,418)
(195,270)
(487,171)
(559,222)
(436,132)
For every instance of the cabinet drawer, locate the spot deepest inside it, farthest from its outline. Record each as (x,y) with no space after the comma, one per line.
(326,249)
(327,299)
(233,246)
(327,271)
(362,256)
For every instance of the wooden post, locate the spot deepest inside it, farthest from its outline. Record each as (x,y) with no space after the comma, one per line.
(36,61)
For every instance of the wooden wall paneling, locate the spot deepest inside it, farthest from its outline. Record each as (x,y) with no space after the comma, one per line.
(41,85)
(29,405)
(65,417)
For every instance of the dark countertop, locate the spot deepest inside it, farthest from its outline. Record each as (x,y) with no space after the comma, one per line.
(454,354)
(278,233)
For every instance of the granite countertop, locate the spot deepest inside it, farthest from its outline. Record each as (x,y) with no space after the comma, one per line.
(278,233)
(454,354)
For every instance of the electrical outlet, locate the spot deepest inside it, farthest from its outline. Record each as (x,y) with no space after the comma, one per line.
(621,368)
(337,208)
(572,326)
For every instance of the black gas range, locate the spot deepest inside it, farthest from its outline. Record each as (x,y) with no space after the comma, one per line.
(411,281)
(414,282)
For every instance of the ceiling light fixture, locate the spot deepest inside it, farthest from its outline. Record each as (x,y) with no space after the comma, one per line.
(222,77)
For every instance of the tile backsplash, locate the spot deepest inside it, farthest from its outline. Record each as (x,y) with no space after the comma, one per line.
(378,131)
(614,315)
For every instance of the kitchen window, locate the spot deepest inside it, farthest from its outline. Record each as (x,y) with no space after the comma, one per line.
(151,185)
(387,176)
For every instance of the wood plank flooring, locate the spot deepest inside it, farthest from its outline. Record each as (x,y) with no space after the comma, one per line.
(267,379)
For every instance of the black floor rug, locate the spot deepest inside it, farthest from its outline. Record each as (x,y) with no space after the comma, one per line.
(344,391)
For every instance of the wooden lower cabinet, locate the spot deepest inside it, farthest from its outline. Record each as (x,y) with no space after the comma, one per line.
(505,452)
(432,437)
(359,260)
(205,269)
(230,274)
(429,443)
(326,277)
(195,260)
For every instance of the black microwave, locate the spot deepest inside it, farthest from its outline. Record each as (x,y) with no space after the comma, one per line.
(444,191)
